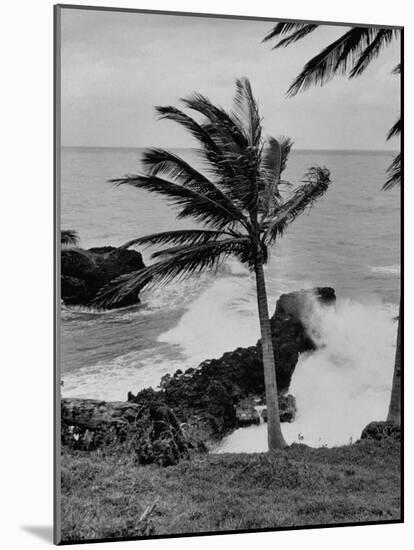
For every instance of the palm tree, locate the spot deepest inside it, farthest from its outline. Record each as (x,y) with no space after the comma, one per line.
(350,54)
(239,204)
(69,237)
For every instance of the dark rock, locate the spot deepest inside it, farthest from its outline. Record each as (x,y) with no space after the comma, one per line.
(300,307)
(74,290)
(207,397)
(382,430)
(247,416)
(84,272)
(300,302)
(149,429)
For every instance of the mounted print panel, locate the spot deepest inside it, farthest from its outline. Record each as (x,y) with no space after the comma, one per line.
(228,285)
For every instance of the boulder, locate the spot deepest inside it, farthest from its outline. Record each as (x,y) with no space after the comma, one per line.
(84,272)
(382,430)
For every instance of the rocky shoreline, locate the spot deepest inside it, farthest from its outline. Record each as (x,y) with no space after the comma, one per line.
(193,409)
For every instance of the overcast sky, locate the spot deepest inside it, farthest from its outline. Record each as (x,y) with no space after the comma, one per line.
(116,66)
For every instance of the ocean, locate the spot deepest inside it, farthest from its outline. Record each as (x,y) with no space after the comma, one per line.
(349,240)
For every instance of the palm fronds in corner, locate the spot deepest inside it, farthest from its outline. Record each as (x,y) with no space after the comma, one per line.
(350,55)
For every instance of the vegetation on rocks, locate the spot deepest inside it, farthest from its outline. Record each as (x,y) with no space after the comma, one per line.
(150,431)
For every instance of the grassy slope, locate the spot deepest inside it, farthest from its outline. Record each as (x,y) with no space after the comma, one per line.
(104,495)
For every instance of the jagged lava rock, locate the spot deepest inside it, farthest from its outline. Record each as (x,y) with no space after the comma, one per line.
(211,392)
(84,272)
(209,401)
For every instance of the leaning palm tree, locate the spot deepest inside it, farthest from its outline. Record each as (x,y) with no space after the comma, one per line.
(240,204)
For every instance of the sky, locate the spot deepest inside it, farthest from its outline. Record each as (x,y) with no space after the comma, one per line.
(116,66)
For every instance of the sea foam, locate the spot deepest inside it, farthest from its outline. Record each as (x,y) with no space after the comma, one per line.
(341,387)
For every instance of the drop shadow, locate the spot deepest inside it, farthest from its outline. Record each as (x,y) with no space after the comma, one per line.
(43,532)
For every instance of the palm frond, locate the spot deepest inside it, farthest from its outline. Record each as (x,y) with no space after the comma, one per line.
(395,130)
(246,112)
(333,59)
(69,237)
(221,121)
(209,148)
(190,261)
(174,250)
(236,166)
(317,182)
(217,157)
(209,208)
(276,154)
(397,69)
(295,36)
(382,39)
(273,163)
(394,172)
(160,161)
(183,236)
(286,28)
(195,129)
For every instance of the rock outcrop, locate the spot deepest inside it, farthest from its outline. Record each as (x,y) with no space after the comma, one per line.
(84,272)
(207,397)
(301,303)
(149,429)
(201,404)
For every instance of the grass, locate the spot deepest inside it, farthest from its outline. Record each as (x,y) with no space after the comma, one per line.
(103,495)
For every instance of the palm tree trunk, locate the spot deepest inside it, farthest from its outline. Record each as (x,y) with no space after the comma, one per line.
(274,433)
(394,411)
